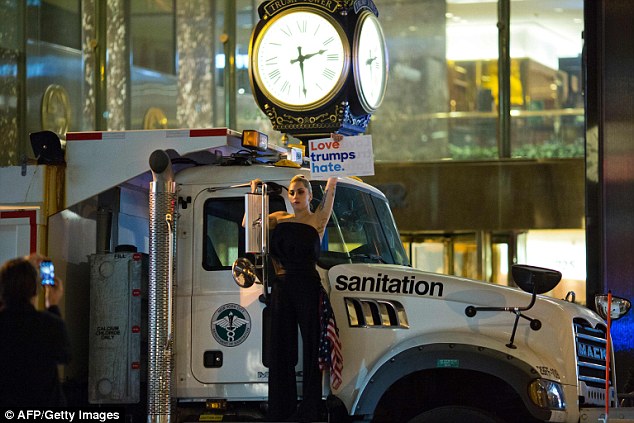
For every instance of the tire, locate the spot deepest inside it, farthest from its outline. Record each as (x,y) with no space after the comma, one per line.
(455,413)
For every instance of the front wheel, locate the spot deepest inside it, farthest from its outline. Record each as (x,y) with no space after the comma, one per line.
(457,413)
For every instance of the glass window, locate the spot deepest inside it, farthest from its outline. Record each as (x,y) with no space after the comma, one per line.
(455,254)
(465,257)
(563,250)
(54,68)
(249,115)
(546,103)
(218,96)
(460,254)
(153,82)
(413,114)
(153,48)
(501,249)
(10,53)
(224,234)
(223,231)
(55,22)
(430,255)
(10,34)
(361,229)
(390,232)
(442,98)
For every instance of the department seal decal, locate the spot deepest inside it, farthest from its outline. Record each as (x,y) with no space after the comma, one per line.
(230,325)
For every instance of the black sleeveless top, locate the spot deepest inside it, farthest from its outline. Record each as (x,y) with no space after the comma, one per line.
(296,246)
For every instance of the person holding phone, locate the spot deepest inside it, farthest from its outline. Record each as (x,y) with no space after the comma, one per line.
(32,342)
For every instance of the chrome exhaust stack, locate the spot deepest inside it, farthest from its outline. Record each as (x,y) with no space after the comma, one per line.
(160,298)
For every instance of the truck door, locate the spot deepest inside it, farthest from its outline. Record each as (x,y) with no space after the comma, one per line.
(226,335)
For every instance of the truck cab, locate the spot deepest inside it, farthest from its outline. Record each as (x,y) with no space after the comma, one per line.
(214,360)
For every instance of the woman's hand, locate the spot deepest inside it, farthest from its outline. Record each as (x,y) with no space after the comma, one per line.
(36,259)
(53,293)
(254,184)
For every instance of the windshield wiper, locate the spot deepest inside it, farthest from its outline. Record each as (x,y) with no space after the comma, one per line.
(372,258)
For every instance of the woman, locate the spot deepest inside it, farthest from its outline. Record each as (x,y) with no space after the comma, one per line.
(295,243)
(32,343)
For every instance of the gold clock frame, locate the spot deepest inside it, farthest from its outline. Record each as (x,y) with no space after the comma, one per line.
(254,74)
(366,14)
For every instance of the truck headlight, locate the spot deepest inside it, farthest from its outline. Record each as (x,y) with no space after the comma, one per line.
(547,394)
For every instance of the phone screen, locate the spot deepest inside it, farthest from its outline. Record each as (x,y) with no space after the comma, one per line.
(47,272)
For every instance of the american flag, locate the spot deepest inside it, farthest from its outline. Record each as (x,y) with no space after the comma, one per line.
(329,345)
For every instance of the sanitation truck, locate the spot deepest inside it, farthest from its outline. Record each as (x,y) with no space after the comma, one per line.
(151,222)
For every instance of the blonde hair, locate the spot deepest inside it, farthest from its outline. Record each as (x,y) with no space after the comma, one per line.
(304,181)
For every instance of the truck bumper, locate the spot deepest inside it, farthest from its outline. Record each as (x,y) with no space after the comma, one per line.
(617,415)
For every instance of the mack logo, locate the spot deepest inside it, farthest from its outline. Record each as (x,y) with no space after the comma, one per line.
(590,351)
(387,284)
(231,325)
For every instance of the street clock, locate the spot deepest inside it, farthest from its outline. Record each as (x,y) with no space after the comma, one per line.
(301,59)
(370,61)
(318,67)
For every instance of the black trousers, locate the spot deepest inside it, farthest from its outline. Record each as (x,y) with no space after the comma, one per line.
(294,302)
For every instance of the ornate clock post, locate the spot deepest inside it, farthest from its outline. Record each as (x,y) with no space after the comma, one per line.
(318,66)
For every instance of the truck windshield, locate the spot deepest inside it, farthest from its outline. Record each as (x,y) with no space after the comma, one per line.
(361,229)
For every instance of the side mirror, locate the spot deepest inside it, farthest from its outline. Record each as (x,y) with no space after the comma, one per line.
(244,273)
(534,279)
(619,307)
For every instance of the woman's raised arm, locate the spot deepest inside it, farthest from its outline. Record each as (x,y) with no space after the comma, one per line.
(324,209)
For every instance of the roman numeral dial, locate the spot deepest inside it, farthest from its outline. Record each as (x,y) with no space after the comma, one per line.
(300,59)
(370,62)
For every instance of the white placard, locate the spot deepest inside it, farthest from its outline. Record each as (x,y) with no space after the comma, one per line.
(351,156)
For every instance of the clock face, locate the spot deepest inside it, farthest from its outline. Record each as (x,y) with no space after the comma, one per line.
(300,59)
(370,62)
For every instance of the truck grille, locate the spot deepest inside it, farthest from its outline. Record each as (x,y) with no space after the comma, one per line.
(590,346)
(376,313)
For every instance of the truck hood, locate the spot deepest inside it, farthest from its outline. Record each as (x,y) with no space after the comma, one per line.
(433,306)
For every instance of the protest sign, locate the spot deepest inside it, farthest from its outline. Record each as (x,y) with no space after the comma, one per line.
(351,156)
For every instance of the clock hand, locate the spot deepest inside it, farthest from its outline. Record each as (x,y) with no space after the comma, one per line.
(301,68)
(301,65)
(300,59)
(309,55)
(369,63)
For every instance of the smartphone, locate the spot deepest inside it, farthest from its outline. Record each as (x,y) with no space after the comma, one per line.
(47,272)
